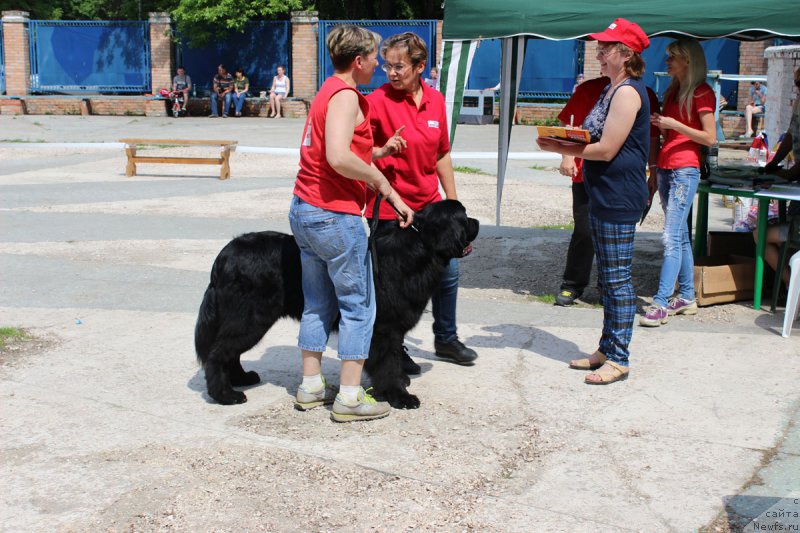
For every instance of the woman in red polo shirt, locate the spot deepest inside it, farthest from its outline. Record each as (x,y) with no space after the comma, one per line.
(407,105)
(325,216)
(687,123)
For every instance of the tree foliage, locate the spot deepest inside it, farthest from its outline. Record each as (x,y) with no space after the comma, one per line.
(379,9)
(200,20)
(88,9)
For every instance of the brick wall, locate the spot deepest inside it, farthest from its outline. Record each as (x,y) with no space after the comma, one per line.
(160,52)
(15,48)
(305,25)
(437,52)
(751,61)
(97,105)
(591,66)
(528,114)
(253,107)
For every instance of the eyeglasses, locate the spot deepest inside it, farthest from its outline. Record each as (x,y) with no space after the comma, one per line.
(387,68)
(605,52)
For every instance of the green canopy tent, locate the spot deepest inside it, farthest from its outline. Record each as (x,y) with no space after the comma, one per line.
(467,22)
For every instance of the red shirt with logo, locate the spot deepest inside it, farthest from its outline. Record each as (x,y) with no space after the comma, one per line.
(678,151)
(411,172)
(317,183)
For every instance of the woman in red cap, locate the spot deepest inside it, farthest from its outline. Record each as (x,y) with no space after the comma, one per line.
(686,124)
(614,176)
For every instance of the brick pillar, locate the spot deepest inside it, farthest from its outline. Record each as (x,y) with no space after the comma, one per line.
(751,61)
(160,52)
(782,62)
(16,50)
(305,25)
(591,66)
(436,53)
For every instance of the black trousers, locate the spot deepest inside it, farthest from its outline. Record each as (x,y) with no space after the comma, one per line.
(580,254)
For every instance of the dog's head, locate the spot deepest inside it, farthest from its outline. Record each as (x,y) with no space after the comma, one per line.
(445,228)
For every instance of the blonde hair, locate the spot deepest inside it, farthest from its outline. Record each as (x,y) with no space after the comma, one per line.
(347,42)
(683,93)
(410,43)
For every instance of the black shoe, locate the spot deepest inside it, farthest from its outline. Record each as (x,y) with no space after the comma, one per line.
(409,366)
(567,297)
(456,352)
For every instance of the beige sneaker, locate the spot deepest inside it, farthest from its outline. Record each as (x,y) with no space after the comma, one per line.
(365,408)
(306,400)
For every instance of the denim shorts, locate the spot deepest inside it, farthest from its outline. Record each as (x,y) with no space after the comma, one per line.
(337,279)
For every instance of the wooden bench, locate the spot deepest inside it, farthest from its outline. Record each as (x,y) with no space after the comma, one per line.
(224,159)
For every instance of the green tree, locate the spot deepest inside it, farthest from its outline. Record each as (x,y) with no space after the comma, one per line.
(379,9)
(88,9)
(200,20)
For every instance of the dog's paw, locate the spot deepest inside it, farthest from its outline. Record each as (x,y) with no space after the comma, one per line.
(243,380)
(231,398)
(402,400)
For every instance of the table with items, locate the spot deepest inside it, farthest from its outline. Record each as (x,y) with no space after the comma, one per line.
(743,181)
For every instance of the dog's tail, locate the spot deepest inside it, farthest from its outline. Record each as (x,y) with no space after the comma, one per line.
(205,331)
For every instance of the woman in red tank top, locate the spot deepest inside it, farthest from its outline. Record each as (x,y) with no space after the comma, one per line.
(326,219)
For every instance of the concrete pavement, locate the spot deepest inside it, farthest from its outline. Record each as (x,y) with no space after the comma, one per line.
(108,426)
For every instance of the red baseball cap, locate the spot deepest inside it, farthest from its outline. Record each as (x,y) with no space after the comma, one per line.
(625,32)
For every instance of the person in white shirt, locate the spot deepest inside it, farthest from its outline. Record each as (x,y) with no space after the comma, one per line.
(281,85)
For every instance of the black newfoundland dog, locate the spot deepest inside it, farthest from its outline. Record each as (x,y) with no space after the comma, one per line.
(256,279)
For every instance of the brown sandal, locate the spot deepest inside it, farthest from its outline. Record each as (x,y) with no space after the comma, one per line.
(587,364)
(617,372)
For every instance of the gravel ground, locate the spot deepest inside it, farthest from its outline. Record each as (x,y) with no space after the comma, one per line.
(119,457)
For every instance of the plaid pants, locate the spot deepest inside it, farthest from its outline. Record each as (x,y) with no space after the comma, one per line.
(613,248)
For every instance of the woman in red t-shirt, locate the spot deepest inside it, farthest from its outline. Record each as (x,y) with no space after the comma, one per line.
(687,123)
(326,219)
(408,110)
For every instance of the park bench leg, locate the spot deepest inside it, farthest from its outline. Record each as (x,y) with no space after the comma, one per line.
(130,151)
(225,171)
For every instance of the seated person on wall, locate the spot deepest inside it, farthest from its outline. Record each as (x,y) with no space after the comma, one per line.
(281,85)
(240,87)
(222,89)
(758,104)
(183,83)
(777,235)
(433,80)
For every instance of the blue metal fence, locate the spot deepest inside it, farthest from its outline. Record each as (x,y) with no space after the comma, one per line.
(89,56)
(426,29)
(259,51)
(548,71)
(2,64)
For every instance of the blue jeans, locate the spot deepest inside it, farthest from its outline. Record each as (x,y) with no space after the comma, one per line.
(337,278)
(226,103)
(443,302)
(676,188)
(443,305)
(613,248)
(238,101)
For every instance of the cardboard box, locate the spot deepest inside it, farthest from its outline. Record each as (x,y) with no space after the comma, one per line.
(723,279)
(721,243)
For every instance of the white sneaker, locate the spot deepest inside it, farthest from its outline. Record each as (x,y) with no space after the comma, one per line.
(306,399)
(365,408)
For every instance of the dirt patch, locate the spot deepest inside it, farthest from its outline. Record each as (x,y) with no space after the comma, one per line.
(15,351)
